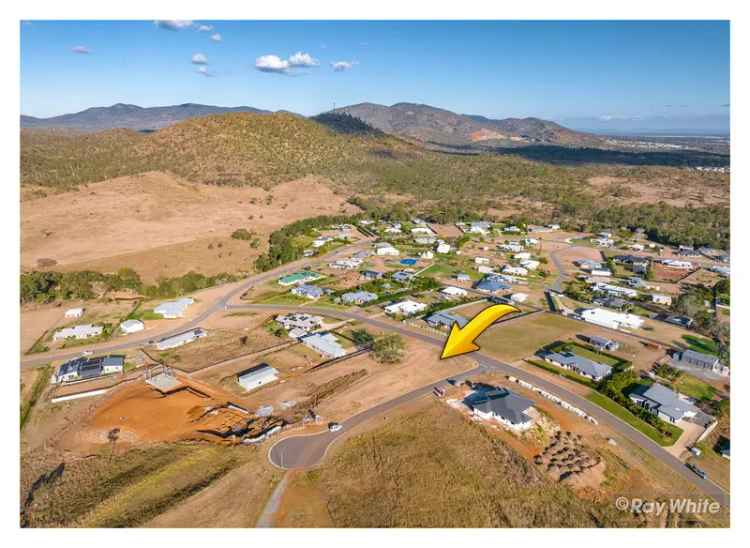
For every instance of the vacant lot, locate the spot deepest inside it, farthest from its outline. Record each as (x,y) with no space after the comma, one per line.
(118,488)
(161,225)
(519,338)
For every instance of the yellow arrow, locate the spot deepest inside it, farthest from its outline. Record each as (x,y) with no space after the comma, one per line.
(461,339)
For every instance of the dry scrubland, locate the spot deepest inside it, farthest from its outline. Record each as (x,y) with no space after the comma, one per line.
(432,468)
(161,485)
(158,224)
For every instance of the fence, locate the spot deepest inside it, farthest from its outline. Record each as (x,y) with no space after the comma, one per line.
(562,403)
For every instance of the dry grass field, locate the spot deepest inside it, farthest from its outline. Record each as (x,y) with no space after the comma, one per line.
(161,225)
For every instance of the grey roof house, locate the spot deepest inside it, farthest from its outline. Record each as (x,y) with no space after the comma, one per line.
(697,359)
(445,319)
(491,284)
(602,343)
(502,405)
(358,297)
(663,402)
(583,366)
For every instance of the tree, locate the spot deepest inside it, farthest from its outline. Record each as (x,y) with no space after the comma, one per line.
(362,337)
(388,349)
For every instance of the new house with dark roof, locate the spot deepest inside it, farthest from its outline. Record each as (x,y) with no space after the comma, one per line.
(578,364)
(664,402)
(502,405)
(698,360)
(358,297)
(89,368)
(603,343)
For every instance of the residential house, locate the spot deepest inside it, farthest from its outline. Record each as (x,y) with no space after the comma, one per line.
(615,290)
(425,240)
(452,292)
(131,326)
(180,339)
(422,230)
(307,322)
(519,298)
(588,264)
(510,247)
(463,277)
(675,263)
(501,405)
(73,313)
(300,277)
(402,276)
(257,376)
(601,272)
(484,269)
(699,360)
(491,283)
(514,229)
(371,275)
(443,247)
(325,344)
(426,255)
(578,364)
(522,256)
(530,264)
(602,343)
(173,309)
(664,402)
(515,270)
(385,249)
(308,291)
(405,308)
(481,260)
(612,320)
(445,319)
(658,298)
(89,368)
(83,331)
(358,297)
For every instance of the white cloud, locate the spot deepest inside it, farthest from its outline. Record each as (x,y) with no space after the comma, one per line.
(199,59)
(342,66)
(205,28)
(272,63)
(80,49)
(203,71)
(216,37)
(173,24)
(301,59)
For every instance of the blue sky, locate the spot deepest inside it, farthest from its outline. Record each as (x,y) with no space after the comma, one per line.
(591,74)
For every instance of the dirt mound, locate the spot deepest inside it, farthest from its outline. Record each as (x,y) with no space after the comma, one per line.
(568,460)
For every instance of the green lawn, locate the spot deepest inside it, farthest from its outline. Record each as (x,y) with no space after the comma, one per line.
(620,412)
(695,388)
(700,344)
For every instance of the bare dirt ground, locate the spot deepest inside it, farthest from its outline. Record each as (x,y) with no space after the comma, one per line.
(676,191)
(161,224)
(35,321)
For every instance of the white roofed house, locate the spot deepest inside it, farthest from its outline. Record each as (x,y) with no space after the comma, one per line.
(173,309)
(613,320)
(658,298)
(405,308)
(74,313)
(257,376)
(451,291)
(481,260)
(530,264)
(385,249)
(513,247)
(522,255)
(131,326)
(84,331)
(515,270)
(519,297)
(443,247)
(679,265)
(181,338)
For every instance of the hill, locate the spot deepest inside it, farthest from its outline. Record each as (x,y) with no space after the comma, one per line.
(435,125)
(129,117)
(379,169)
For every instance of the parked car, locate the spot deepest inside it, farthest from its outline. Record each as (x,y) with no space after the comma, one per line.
(695,451)
(698,472)
(334,427)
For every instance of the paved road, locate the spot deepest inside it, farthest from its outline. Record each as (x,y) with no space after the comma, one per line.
(305,451)
(220,304)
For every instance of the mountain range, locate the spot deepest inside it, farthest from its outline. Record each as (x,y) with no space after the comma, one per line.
(422,123)
(127,116)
